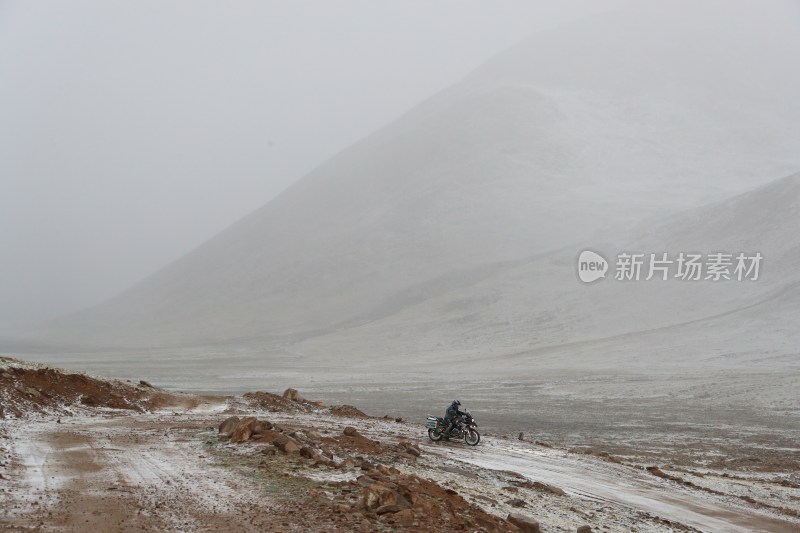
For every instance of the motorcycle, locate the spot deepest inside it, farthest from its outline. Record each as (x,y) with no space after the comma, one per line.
(465,428)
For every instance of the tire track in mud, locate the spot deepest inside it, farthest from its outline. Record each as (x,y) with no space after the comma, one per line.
(123,474)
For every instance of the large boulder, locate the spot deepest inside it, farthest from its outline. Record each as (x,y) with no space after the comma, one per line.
(526,524)
(267,435)
(229,424)
(244,429)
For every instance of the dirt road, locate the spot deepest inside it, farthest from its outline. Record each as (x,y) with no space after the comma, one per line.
(164,472)
(123,473)
(593,478)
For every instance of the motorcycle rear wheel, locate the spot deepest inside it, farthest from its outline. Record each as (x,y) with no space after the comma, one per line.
(435,434)
(472,437)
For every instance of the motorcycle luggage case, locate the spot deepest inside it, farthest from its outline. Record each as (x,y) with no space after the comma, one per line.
(431,421)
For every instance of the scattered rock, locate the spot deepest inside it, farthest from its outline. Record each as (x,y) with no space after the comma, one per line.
(30,391)
(516,502)
(524,523)
(383,499)
(229,424)
(350,431)
(143,383)
(268,436)
(273,402)
(308,453)
(521,436)
(656,471)
(544,487)
(293,395)
(287,444)
(89,400)
(585,529)
(244,429)
(262,425)
(298,435)
(313,434)
(404,518)
(346,464)
(409,448)
(364,481)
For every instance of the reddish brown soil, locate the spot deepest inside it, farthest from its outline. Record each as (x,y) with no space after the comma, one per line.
(347,410)
(104,470)
(26,390)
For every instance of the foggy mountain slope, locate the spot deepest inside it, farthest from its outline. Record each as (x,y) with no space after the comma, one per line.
(539,310)
(596,124)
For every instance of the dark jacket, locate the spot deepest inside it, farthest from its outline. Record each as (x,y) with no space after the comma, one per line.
(452,412)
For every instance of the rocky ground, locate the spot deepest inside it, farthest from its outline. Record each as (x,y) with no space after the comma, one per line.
(85,454)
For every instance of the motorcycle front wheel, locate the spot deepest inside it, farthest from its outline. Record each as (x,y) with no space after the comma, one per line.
(472,437)
(435,434)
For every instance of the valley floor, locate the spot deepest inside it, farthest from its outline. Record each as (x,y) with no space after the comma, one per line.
(111,470)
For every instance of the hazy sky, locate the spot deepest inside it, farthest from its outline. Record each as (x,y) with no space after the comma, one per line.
(130,132)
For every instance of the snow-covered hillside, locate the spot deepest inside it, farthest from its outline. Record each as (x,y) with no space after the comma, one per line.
(535,313)
(440,234)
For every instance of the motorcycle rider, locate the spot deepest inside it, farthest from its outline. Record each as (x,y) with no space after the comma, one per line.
(451,416)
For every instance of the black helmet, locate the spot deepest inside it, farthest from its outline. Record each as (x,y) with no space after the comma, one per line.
(456,402)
